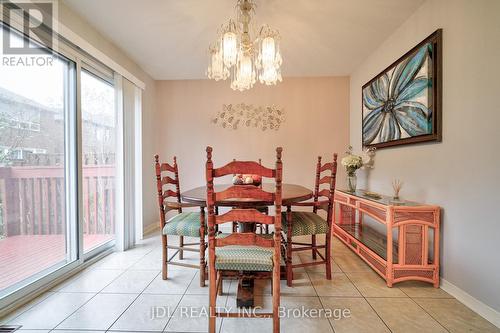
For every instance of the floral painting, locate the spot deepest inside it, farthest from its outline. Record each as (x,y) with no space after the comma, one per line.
(402,104)
(246,115)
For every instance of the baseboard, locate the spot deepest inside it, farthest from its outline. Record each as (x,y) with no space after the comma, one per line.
(490,314)
(150,229)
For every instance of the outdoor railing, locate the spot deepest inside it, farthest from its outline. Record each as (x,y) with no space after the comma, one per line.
(32,200)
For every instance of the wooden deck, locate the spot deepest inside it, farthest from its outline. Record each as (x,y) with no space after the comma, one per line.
(23,256)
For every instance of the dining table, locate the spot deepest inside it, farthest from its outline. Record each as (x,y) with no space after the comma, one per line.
(291,193)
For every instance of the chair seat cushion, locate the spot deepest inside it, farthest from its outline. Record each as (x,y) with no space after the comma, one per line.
(244,258)
(305,223)
(184,224)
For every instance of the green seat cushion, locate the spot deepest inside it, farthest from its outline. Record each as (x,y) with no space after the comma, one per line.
(305,223)
(184,224)
(244,258)
(266,236)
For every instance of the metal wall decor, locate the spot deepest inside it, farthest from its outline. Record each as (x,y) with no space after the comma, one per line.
(250,116)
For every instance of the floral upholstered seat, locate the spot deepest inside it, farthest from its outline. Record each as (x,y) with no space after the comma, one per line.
(183,224)
(244,258)
(305,223)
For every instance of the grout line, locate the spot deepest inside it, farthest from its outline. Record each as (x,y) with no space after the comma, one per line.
(40,298)
(125,310)
(363,296)
(427,312)
(92,296)
(177,306)
(320,302)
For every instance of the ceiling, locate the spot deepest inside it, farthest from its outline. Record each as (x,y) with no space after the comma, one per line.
(169,38)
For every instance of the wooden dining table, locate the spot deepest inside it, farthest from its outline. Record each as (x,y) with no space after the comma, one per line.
(291,193)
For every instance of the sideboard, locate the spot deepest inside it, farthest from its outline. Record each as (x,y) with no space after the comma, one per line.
(407,248)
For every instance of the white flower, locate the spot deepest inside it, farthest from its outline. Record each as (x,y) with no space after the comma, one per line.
(352,161)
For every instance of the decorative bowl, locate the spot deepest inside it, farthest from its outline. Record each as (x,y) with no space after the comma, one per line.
(246,179)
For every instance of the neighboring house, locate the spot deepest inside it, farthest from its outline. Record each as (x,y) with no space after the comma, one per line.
(32,133)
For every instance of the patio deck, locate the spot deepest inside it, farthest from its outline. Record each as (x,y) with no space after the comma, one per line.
(24,255)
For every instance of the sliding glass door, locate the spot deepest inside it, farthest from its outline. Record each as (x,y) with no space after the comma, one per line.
(35,154)
(98,158)
(60,138)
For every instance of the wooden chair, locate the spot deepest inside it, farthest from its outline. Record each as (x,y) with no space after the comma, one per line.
(184,224)
(246,252)
(298,223)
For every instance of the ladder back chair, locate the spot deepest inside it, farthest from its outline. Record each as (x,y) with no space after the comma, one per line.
(244,253)
(300,223)
(183,224)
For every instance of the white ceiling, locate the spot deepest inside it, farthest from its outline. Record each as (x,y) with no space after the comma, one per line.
(169,38)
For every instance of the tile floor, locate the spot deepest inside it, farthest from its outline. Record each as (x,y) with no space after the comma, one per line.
(118,293)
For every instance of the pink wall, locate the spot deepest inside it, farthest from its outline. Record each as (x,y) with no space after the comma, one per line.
(317,123)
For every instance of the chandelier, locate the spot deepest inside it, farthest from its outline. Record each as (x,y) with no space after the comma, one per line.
(237,56)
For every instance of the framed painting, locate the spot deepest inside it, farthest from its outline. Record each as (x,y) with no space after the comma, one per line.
(402,104)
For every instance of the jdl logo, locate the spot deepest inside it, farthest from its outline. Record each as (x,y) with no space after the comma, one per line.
(35,19)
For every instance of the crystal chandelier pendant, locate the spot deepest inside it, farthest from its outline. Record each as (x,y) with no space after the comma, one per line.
(216,69)
(269,58)
(242,57)
(230,44)
(244,76)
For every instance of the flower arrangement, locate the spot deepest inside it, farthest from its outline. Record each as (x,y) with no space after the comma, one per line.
(352,162)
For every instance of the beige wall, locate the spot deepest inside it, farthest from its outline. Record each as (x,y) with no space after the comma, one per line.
(316,124)
(461,173)
(91,35)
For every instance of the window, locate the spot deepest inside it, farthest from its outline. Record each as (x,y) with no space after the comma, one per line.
(99,155)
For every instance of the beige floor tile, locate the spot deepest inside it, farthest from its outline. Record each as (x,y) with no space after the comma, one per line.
(455,316)
(17,312)
(301,286)
(133,282)
(51,311)
(177,282)
(416,289)
(151,261)
(191,258)
(92,281)
(339,285)
(372,285)
(195,289)
(404,315)
(99,313)
(148,313)
(35,331)
(322,268)
(295,320)
(339,247)
(72,331)
(263,303)
(192,314)
(246,325)
(349,262)
(119,260)
(73,278)
(353,315)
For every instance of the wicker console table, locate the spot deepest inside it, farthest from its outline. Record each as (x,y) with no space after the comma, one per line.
(400,253)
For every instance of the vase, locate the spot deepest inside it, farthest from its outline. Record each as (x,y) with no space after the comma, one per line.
(351,182)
